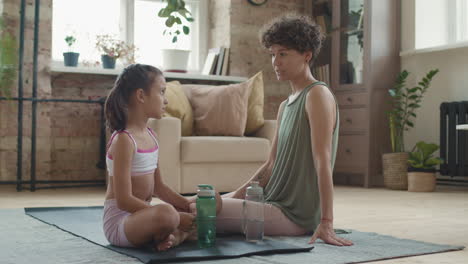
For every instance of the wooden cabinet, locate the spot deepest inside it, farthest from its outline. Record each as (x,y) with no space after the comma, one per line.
(360,59)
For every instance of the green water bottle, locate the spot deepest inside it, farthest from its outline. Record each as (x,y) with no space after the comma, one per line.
(206,216)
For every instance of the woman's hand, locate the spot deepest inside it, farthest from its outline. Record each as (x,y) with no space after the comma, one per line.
(326,233)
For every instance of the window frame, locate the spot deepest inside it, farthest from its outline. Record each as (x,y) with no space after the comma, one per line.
(199,30)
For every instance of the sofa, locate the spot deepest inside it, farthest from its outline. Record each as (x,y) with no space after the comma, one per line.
(213,134)
(222,161)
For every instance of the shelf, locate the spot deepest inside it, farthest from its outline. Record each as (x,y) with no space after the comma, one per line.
(57,68)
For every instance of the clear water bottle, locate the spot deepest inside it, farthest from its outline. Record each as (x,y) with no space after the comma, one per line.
(206,216)
(253,212)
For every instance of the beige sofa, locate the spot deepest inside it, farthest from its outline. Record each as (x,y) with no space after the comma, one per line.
(224,162)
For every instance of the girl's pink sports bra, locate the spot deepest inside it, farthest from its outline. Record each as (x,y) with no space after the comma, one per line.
(144,161)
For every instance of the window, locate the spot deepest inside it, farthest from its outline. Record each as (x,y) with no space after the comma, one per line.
(134,21)
(440,22)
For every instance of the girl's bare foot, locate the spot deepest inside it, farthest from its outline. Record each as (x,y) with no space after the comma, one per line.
(166,243)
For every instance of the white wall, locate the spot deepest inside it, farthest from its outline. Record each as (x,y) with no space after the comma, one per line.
(450,84)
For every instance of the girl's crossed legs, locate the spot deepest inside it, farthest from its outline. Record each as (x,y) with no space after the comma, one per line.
(159,223)
(230,219)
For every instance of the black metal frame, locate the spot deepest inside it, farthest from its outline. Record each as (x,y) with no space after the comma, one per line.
(19,172)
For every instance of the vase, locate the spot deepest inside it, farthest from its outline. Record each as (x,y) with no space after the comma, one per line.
(175,60)
(395,170)
(70,59)
(108,62)
(419,181)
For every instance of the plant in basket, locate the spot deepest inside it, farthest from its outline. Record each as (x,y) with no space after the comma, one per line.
(404,102)
(422,167)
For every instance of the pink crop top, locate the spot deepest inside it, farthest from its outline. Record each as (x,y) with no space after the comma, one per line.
(144,161)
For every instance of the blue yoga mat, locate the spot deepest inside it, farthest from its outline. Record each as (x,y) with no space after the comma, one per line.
(86,222)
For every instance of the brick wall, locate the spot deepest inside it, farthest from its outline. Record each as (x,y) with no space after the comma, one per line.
(248,56)
(68,133)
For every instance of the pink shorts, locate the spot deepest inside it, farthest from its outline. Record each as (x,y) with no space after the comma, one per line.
(113,224)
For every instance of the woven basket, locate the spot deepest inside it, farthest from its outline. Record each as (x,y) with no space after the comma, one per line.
(421,181)
(395,170)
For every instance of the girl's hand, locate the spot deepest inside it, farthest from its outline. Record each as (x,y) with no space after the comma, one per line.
(326,233)
(187,222)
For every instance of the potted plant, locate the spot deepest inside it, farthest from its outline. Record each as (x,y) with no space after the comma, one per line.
(8,61)
(421,171)
(112,49)
(404,102)
(177,22)
(70,58)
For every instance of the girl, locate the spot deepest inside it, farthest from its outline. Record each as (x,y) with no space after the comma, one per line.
(297,177)
(132,163)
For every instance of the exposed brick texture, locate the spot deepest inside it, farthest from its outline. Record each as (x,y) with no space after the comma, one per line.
(68,133)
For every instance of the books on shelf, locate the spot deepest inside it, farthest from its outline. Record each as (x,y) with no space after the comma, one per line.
(217,61)
(322,73)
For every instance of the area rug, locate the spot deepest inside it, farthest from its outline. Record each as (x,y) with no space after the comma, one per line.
(27,240)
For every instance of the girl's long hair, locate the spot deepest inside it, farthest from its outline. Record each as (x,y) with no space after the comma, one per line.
(133,77)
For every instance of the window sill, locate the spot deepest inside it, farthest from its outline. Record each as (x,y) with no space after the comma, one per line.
(434,49)
(59,68)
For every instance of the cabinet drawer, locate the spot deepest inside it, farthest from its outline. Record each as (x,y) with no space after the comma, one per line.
(351,155)
(352,99)
(353,120)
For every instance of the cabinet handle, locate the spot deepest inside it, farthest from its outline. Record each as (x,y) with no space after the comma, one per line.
(348,150)
(349,120)
(350,99)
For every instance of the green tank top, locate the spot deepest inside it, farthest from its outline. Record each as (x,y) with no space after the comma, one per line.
(293,185)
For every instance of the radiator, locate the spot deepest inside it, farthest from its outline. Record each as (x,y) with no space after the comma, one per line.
(453,142)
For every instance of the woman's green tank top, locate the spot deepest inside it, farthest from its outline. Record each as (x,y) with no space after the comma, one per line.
(293,185)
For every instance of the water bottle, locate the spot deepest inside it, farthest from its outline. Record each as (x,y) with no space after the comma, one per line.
(253,213)
(206,216)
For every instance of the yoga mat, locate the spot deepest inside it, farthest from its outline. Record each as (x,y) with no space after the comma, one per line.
(86,222)
(26,240)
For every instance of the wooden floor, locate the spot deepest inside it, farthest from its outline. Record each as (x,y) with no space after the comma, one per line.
(438,217)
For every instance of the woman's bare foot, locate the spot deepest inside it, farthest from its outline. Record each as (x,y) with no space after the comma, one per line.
(166,243)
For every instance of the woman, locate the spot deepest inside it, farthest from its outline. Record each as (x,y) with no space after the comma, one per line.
(297,177)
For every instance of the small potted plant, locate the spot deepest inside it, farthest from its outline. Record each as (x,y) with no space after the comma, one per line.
(112,49)
(177,22)
(70,58)
(421,171)
(404,102)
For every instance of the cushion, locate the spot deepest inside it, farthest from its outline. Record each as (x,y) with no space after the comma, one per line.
(224,149)
(255,118)
(254,121)
(179,106)
(220,110)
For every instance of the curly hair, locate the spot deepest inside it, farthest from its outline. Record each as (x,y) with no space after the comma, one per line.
(294,32)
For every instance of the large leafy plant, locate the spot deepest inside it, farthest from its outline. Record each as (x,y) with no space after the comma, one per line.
(404,103)
(8,61)
(175,13)
(421,157)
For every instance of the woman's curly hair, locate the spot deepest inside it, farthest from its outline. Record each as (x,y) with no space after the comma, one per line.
(294,32)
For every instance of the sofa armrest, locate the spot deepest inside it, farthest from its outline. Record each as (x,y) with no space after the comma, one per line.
(168,132)
(267,130)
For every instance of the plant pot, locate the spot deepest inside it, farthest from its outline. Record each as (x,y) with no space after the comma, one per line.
(70,59)
(395,170)
(108,62)
(175,60)
(421,181)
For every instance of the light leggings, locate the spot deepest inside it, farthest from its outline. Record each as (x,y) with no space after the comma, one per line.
(230,219)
